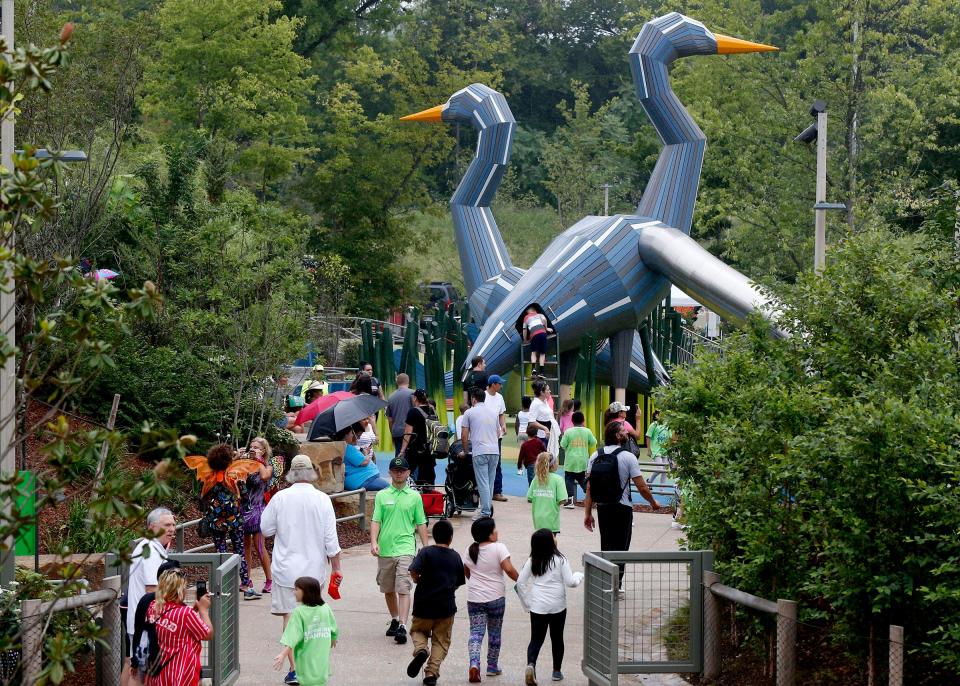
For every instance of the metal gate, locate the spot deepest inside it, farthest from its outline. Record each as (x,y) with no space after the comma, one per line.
(643,613)
(220,657)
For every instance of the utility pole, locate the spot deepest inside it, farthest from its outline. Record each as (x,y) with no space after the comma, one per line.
(8,420)
(820,222)
(606,199)
(818,132)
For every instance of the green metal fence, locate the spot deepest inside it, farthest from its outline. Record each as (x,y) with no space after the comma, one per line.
(643,613)
(220,657)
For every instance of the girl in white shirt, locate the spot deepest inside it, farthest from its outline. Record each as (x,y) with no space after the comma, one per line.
(485,563)
(544,580)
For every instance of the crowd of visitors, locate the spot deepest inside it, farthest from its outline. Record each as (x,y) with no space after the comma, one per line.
(242,504)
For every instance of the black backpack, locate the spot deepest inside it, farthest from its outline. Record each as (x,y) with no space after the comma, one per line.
(605,486)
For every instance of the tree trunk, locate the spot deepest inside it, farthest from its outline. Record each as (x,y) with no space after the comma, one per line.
(853,112)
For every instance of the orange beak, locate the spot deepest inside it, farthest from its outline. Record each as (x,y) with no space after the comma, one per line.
(433,114)
(733,46)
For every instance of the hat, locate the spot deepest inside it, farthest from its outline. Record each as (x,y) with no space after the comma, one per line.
(619,407)
(301,462)
(399,464)
(318,368)
(315,386)
(495,378)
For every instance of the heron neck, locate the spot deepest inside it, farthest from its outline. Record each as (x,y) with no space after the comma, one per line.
(483,254)
(671,192)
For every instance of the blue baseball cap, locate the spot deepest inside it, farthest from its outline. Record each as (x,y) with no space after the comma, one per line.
(495,378)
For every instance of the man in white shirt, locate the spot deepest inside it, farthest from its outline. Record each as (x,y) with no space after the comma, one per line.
(302,520)
(146,559)
(494,402)
(481,427)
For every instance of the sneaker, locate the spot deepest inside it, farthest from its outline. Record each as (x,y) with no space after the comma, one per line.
(416,664)
(291,678)
(557,675)
(474,675)
(493,670)
(267,587)
(477,515)
(401,635)
(430,680)
(394,625)
(568,505)
(500,497)
(530,676)
(251,594)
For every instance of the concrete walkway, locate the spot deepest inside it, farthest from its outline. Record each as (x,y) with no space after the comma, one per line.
(365,656)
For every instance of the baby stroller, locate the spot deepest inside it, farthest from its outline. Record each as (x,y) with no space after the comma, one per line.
(460,486)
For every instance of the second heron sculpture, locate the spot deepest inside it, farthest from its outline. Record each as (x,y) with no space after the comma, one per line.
(602,275)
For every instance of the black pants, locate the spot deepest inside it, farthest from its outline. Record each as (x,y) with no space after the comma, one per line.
(538,633)
(616,529)
(571,479)
(425,467)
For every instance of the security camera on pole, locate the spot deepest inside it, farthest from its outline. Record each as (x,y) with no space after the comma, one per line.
(818,132)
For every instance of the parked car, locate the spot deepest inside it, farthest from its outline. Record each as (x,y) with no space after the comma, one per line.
(442,293)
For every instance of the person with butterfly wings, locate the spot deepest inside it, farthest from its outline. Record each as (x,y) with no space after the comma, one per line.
(222,478)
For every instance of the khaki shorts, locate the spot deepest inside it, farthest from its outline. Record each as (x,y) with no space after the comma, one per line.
(283,600)
(393,574)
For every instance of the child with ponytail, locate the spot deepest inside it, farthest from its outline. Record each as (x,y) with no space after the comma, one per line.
(485,563)
(547,490)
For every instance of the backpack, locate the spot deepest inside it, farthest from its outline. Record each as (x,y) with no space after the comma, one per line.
(605,486)
(438,435)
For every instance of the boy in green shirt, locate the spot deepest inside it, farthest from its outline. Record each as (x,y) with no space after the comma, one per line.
(310,634)
(578,443)
(659,436)
(545,493)
(397,516)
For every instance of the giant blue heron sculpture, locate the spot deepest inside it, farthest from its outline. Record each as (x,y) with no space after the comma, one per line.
(602,275)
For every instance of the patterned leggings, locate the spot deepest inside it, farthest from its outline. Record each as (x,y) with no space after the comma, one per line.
(236,542)
(482,616)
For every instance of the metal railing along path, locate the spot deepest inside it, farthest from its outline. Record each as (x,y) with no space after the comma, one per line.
(361,515)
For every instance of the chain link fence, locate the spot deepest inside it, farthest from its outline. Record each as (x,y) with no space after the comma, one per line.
(64,626)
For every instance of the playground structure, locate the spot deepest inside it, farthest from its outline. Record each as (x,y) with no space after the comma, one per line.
(603,276)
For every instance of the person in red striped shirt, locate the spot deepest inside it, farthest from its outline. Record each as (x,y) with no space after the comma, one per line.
(180,629)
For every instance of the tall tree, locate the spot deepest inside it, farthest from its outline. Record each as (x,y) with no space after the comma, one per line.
(227,69)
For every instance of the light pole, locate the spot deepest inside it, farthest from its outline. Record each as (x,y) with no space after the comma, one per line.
(606,199)
(818,132)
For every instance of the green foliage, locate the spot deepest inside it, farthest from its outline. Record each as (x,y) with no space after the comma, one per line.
(587,151)
(227,68)
(823,467)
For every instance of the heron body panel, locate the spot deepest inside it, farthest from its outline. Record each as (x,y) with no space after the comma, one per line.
(590,280)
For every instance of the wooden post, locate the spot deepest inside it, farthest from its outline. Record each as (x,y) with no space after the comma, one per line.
(786,642)
(31,640)
(896,655)
(105,448)
(111,664)
(711,628)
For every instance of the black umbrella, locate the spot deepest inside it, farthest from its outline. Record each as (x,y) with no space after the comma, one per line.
(343,414)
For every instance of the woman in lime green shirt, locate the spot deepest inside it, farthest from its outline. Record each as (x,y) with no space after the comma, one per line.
(546,492)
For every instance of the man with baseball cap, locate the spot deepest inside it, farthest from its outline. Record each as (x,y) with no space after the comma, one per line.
(398,517)
(317,374)
(494,403)
(302,520)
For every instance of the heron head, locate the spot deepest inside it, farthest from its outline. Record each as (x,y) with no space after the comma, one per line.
(672,36)
(476,104)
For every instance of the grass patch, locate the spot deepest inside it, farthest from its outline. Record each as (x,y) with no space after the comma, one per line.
(433,252)
(676,634)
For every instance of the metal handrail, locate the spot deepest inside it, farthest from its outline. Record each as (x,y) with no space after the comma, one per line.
(361,515)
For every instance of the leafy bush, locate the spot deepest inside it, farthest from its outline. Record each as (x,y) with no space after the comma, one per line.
(824,467)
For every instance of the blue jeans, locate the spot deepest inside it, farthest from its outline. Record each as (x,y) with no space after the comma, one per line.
(531,472)
(498,480)
(485,470)
(375,483)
